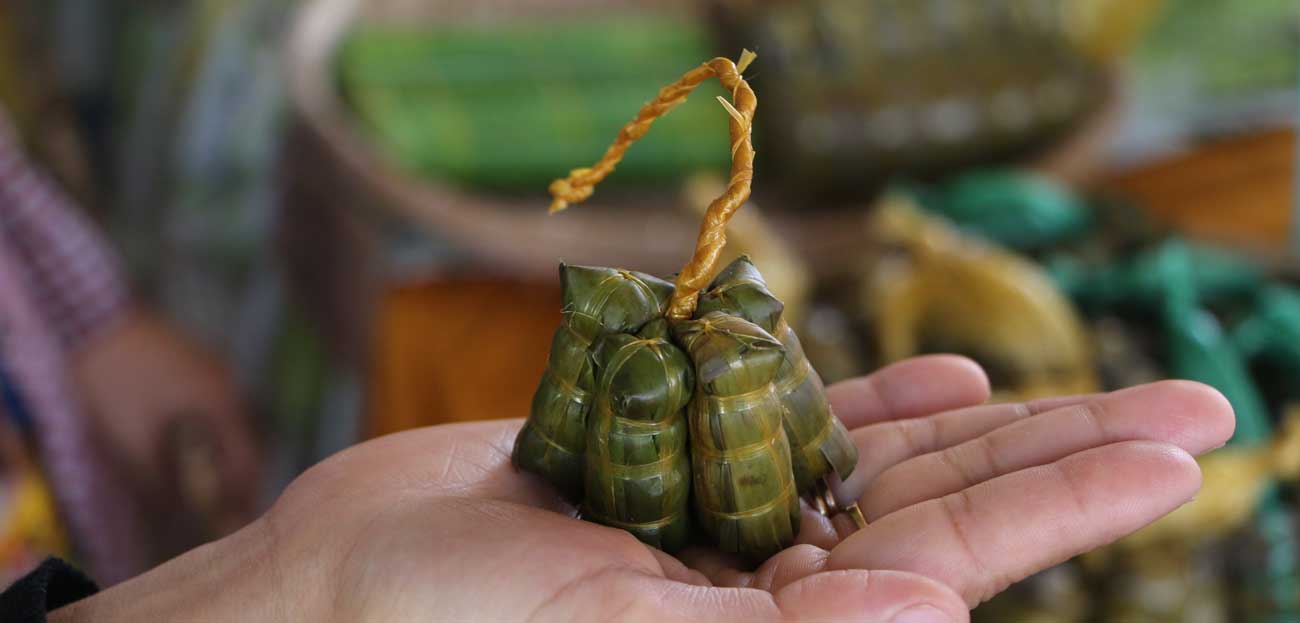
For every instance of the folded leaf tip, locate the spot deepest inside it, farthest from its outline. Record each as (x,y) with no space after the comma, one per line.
(746,57)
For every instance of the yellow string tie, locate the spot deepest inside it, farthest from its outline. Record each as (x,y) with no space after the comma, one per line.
(580,183)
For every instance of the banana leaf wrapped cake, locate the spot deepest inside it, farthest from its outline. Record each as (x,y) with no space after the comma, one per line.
(638,467)
(597,301)
(684,411)
(744,487)
(819,442)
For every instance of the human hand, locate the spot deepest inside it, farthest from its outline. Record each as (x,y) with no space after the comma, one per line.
(436,524)
(170,416)
(981,496)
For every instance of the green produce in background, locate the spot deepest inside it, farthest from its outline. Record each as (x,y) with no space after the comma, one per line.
(1272,330)
(1173,283)
(1014,208)
(819,442)
(596,301)
(638,474)
(1178,279)
(1197,347)
(1209,314)
(1141,280)
(745,496)
(503,106)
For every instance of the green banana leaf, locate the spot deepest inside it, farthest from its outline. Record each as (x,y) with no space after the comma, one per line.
(638,469)
(597,301)
(745,496)
(819,442)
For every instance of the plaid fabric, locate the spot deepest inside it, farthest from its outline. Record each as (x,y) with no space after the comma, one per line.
(59,285)
(74,279)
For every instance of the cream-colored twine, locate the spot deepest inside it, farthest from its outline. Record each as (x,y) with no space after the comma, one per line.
(580,183)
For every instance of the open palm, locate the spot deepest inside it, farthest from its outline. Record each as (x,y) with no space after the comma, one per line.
(962,499)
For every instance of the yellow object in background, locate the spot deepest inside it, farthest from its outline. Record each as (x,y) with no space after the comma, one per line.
(1161,570)
(1105,30)
(29,526)
(1232,483)
(938,288)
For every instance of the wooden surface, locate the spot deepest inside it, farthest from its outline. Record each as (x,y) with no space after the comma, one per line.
(1238,191)
(454,351)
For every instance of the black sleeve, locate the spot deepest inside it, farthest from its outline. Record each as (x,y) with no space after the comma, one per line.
(52,585)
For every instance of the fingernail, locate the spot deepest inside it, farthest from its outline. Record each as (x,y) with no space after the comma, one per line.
(921,614)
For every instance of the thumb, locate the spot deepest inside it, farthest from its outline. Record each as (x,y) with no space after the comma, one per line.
(849,595)
(870,597)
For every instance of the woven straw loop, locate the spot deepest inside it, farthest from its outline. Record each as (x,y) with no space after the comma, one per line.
(580,183)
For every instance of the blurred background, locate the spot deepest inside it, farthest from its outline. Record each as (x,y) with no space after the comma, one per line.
(279,227)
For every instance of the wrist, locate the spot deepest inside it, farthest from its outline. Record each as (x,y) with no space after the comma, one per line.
(227,580)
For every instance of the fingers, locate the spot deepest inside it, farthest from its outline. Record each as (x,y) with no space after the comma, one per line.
(884,445)
(580,571)
(982,539)
(877,595)
(843,595)
(908,389)
(793,563)
(817,533)
(721,568)
(677,571)
(789,566)
(1189,415)
(815,528)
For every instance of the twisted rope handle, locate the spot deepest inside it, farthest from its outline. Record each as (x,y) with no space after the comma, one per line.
(580,183)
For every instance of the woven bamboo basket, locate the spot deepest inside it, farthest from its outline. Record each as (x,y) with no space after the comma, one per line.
(514,236)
